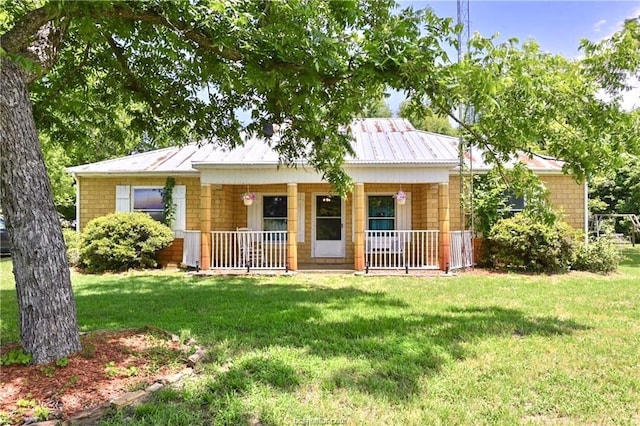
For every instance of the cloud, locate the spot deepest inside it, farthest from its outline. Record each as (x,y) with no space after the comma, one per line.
(598,25)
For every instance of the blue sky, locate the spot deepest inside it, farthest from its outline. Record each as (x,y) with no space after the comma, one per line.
(557,26)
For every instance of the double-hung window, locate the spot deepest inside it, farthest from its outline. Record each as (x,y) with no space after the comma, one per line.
(274,214)
(148,200)
(515,204)
(381,213)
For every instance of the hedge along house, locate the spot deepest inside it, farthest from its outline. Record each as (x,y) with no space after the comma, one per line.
(238,209)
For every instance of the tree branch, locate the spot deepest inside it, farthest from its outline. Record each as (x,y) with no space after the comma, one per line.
(202,39)
(19,38)
(134,84)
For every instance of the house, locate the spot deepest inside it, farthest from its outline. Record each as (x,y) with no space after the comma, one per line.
(294,221)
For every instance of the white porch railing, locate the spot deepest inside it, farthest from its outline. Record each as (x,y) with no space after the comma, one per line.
(249,249)
(461,250)
(401,250)
(191,248)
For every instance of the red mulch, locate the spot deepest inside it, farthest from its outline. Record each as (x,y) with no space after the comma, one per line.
(109,365)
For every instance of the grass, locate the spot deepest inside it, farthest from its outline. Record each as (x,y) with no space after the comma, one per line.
(334,349)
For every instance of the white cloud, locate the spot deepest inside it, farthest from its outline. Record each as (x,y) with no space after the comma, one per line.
(598,25)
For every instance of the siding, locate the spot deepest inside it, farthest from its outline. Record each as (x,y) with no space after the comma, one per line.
(98,196)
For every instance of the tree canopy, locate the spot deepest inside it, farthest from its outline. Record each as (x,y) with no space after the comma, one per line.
(425,119)
(109,77)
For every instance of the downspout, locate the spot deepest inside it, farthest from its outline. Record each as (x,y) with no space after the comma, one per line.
(586,212)
(75,178)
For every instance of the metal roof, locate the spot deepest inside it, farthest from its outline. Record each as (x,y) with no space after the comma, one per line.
(535,162)
(377,141)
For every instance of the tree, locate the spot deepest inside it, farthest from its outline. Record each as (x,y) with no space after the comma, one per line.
(424,119)
(177,71)
(377,108)
(531,101)
(617,192)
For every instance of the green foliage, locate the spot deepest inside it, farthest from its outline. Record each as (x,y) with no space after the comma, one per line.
(423,118)
(601,255)
(15,357)
(161,73)
(617,191)
(376,108)
(121,241)
(56,159)
(41,413)
(526,100)
(62,362)
(522,243)
(169,213)
(72,243)
(491,197)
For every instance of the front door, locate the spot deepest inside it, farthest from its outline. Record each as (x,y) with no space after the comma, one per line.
(328,226)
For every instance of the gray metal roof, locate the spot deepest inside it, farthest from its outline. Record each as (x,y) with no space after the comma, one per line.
(377,141)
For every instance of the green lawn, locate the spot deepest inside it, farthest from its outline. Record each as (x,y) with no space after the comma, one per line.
(334,349)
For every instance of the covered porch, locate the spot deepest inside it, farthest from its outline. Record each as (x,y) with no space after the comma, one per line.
(293,226)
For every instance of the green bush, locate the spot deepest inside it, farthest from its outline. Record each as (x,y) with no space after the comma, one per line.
(72,242)
(120,241)
(525,244)
(601,255)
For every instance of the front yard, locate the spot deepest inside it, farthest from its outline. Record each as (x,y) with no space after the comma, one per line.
(334,349)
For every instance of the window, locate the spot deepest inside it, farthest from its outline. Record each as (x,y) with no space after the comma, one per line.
(149,200)
(274,213)
(381,213)
(514,204)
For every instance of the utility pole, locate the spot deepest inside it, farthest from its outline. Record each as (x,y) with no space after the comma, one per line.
(465,115)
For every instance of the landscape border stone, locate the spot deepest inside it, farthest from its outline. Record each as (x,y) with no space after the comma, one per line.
(93,415)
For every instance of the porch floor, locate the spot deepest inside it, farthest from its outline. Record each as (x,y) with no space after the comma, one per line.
(324,269)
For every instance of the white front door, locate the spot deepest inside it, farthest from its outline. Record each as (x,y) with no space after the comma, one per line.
(328,226)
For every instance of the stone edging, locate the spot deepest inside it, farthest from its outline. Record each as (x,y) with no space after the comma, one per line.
(93,415)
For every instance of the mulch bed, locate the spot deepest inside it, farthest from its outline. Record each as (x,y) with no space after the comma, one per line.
(109,365)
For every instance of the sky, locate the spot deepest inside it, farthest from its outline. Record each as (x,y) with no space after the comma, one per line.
(557,26)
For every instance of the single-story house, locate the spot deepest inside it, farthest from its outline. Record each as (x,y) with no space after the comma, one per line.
(403,213)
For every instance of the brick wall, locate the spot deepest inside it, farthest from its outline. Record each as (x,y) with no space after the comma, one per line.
(98,196)
(567,197)
(171,255)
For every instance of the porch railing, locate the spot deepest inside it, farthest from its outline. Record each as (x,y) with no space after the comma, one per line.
(461,250)
(191,249)
(401,250)
(249,249)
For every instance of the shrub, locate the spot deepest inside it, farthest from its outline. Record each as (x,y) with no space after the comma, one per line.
(120,241)
(526,244)
(600,255)
(72,243)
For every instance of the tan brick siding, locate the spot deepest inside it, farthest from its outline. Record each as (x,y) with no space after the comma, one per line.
(171,255)
(98,196)
(567,197)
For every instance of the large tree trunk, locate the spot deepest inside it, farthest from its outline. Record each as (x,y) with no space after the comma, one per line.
(48,326)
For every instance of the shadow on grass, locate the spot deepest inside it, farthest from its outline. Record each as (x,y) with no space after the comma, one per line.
(631,257)
(387,346)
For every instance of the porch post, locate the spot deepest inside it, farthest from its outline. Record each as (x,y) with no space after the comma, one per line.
(443,225)
(359,219)
(205,226)
(292,226)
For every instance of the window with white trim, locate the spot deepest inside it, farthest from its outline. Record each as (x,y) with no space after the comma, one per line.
(274,213)
(148,200)
(381,213)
